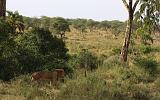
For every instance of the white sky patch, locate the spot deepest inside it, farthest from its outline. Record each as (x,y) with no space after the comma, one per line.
(90,9)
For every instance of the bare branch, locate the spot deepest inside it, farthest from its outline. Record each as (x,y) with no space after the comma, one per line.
(135,5)
(125,4)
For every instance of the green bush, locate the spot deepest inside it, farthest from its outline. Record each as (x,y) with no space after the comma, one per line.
(146,49)
(87,60)
(134,75)
(116,51)
(149,64)
(31,51)
(4,30)
(8,60)
(73,60)
(48,50)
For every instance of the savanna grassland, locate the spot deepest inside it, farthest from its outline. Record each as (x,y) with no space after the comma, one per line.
(111,80)
(102,60)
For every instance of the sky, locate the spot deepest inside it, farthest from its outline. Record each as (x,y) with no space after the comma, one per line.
(90,9)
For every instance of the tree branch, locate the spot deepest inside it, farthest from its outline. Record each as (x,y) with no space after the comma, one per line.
(135,5)
(125,4)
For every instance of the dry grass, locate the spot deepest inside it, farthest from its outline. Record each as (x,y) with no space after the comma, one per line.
(100,42)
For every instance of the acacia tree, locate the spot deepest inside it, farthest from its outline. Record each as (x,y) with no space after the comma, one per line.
(91,24)
(104,25)
(3,8)
(80,25)
(60,26)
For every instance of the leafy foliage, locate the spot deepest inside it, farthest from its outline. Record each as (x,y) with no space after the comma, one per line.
(8,51)
(4,30)
(144,36)
(91,24)
(87,60)
(148,18)
(45,22)
(15,21)
(146,49)
(80,25)
(104,25)
(60,26)
(148,64)
(43,45)
(33,50)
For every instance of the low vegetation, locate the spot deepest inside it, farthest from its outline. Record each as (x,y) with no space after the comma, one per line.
(88,53)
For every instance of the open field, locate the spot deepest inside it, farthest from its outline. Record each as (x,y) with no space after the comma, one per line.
(99,42)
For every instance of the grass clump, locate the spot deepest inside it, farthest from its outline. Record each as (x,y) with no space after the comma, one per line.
(84,88)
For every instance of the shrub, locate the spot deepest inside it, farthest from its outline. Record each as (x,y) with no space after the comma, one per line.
(148,64)
(8,60)
(31,51)
(134,75)
(146,49)
(116,51)
(48,50)
(73,60)
(87,60)
(4,30)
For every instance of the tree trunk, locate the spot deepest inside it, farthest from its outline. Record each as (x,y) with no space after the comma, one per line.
(124,51)
(3,9)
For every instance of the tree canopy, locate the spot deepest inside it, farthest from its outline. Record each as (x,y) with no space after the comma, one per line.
(60,26)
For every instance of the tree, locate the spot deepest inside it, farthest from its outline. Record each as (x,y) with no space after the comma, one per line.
(86,59)
(91,24)
(40,51)
(148,7)
(131,9)
(104,25)
(148,18)
(8,51)
(33,22)
(80,25)
(16,22)
(3,8)
(116,27)
(45,22)
(33,50)
(4,30)
(60,26)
